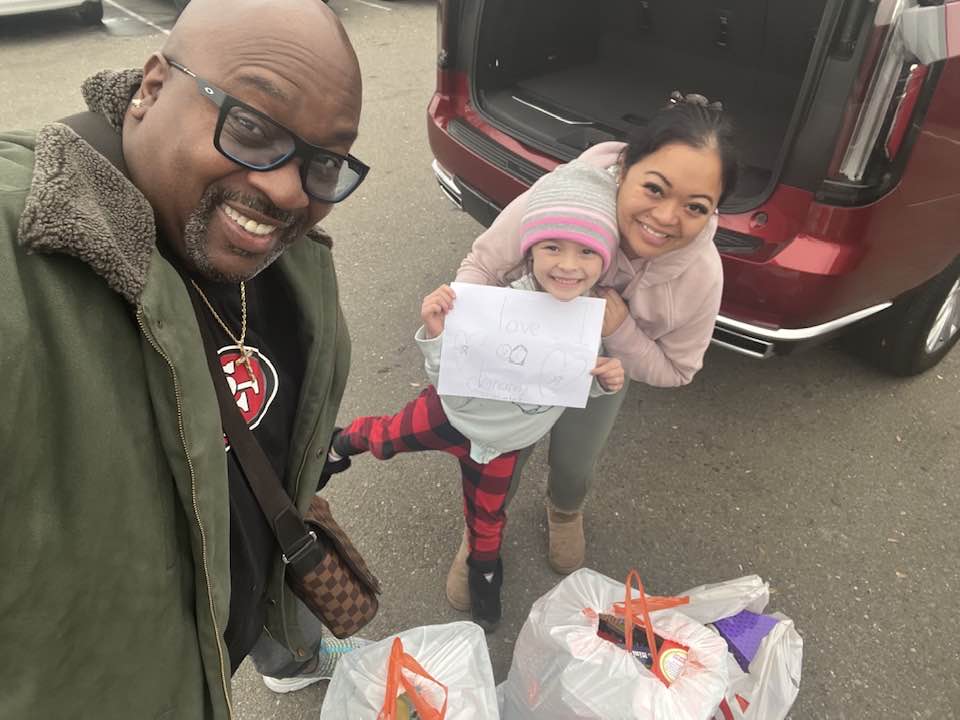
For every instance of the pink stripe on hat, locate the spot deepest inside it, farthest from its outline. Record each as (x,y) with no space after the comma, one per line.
(575,202)
(598,237)
(537,236)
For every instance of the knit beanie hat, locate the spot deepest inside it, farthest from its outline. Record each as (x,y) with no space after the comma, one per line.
(576,202)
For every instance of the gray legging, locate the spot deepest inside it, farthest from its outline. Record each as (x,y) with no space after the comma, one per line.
(576,442)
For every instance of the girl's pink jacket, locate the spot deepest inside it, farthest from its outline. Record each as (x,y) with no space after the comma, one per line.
(673,299)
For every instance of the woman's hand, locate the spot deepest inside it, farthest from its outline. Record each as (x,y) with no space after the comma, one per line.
(434,309)
(609,373)
(615,311)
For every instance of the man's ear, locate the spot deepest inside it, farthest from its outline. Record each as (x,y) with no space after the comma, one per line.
(155,73)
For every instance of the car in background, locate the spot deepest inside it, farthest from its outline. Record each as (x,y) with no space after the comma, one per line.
(847,215)
(90,11)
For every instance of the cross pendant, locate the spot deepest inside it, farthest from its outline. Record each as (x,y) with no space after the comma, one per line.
(245,360)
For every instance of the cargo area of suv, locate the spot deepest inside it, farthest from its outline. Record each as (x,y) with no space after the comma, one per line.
(848,128)
(566,74)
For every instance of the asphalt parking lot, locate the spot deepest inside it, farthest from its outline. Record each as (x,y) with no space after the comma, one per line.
(833,482)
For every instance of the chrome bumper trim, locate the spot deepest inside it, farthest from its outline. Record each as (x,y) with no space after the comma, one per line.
(798,334)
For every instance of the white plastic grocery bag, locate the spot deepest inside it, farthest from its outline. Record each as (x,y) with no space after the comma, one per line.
(770,687)
(562,669)
(454,655)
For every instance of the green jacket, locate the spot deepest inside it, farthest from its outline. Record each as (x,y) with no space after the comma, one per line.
(114,514)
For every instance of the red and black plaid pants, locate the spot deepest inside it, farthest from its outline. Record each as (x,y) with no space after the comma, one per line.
(423,425)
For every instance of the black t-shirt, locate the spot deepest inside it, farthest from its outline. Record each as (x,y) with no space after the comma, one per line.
(268,401)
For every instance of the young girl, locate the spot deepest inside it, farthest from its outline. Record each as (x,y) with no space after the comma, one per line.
(569,239)
(662,290)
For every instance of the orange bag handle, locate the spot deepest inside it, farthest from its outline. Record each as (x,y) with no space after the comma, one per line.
(400,660)
(656,602)
(628,617)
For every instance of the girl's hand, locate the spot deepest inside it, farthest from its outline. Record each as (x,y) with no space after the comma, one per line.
(615,311)
(609,373)
(434,309)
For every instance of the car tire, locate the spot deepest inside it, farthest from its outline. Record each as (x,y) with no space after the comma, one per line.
(91,13)
(919,330)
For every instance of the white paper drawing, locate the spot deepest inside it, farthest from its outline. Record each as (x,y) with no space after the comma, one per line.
(520,346)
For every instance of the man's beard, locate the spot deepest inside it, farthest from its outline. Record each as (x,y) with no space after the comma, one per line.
(195,233)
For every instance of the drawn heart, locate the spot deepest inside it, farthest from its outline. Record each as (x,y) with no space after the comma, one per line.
(560,369)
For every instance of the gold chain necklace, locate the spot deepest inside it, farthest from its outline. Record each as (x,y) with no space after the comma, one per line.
(244,353)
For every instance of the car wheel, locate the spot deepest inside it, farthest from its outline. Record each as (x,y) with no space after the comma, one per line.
(919,330)
(91,13)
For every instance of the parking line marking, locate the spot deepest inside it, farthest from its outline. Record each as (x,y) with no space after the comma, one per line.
(135,16)
(364,2)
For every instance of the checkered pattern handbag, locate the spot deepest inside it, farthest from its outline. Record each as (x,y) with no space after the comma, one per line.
(333,581)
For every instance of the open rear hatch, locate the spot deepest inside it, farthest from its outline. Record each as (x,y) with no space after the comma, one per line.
(562,75)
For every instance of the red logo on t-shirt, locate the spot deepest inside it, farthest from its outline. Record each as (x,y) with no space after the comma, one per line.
(253,387)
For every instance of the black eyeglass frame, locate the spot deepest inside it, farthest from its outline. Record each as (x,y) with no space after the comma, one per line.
(301,148)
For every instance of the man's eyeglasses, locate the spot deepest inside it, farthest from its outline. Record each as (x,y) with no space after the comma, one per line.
(252,139)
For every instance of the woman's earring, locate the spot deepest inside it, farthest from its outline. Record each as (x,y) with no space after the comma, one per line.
(136,102)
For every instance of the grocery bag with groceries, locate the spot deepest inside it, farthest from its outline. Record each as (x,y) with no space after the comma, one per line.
(436,672)
(597,648)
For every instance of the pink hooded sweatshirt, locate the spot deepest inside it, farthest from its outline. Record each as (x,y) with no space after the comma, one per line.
(673,299)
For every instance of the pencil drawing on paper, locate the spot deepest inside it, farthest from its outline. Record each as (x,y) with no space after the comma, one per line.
(514,355)
(559,369)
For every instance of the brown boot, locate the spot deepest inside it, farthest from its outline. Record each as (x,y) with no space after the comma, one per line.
(458,585)
(567,545)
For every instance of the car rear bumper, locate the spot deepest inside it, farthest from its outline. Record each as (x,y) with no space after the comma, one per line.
(751,339)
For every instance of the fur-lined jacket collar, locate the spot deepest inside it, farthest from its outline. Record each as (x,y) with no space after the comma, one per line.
(80,205)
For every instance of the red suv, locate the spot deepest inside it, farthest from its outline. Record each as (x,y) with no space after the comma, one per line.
(847,214)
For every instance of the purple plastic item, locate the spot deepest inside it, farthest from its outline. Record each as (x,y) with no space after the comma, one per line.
(744,632)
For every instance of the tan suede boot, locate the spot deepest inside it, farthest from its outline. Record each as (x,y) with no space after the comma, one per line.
(458,586)
(567,545)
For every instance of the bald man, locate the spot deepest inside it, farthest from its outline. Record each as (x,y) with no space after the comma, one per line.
(137,568)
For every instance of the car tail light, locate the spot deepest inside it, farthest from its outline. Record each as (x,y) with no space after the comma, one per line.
(903,110)
(876,105)
(910,36)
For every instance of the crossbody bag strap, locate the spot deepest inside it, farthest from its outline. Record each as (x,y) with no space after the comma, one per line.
(282,516)
(94,128)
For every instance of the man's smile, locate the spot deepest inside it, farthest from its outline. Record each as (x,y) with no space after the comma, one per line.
(247,223)
(245,234)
